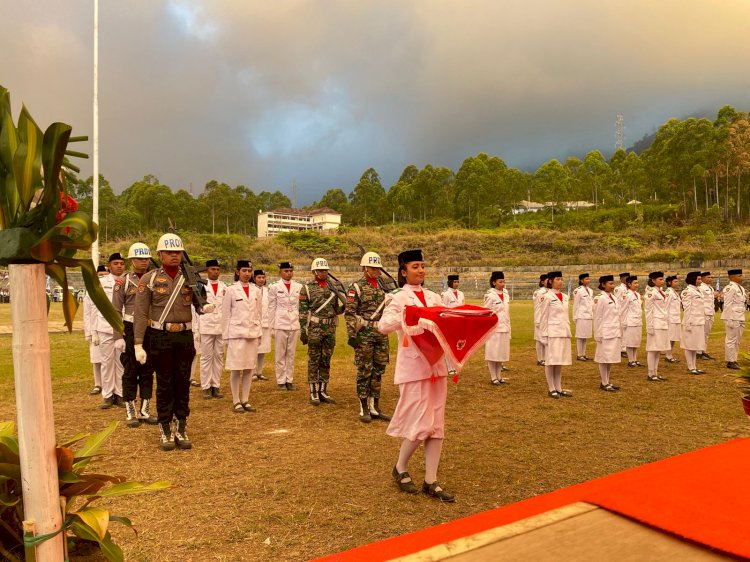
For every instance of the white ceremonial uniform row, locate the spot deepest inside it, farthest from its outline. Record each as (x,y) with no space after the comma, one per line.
(583,311)
(657,320)
(631,318)
(674,308)
(733,315)
(240,326)
(693,319)
(266,338)
(554,328)
(707,292)
(283,315)
(497,347)
(453,298)
(112,368)
(607,329)
(211,341)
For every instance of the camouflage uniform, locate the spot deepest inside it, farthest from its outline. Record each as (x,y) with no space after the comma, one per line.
(320,326)
(364,307)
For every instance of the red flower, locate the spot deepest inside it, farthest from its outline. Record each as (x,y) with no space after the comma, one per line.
(67,205)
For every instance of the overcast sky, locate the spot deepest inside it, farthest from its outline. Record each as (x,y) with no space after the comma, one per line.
(265,92)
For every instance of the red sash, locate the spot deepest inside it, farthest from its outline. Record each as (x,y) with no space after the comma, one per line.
(456,332)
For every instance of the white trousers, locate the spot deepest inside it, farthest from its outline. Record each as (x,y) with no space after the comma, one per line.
(212,360)
(734,329)
(286,346)
(111,365)
(707,330)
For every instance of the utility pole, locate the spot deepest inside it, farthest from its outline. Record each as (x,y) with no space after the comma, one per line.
(95,186)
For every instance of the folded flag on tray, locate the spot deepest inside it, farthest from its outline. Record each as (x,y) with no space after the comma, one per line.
(454,333)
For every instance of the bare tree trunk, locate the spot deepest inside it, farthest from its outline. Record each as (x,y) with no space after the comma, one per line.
(739,177)
(36,423)
(695,195)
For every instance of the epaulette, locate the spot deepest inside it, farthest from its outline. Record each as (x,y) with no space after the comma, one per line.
(394,291)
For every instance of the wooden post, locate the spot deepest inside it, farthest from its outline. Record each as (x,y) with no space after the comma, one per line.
(36,424)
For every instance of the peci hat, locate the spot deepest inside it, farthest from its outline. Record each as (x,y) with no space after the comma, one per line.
(669,279)
(212,263)
(655,274)
(452,278)
(553,274)
(495,276)
(734,272)
(115,256)
(410,256)
(631,278)
(101,268)
(583,276)
(243,263)
(285,265)
(704,274)
(604,278)
(258,272)
(692,277)
(624,274)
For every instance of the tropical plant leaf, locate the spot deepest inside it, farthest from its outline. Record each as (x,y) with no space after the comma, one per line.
(8,145)
(7,429)
(93,443)
(10,470)
(95,291)
(96,518)
(68,477)
(70,303)
(76,230)
(27,161)
(85,486)
(53,152)
(111,551)
(127,488)
(64,459)
(9,501)
(9,450)
(125,521)
(75,439)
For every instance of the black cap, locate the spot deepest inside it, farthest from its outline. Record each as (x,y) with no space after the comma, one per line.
(243,263)
(285,265)
(669,279)
(604,278)
(101,268)
(452,278)
(553,274)
(495,276)
(691,277)
(115,256)
(583,276)
(212,263)
(655,274)
(734,272)
(704,273)
(624,274)
(543,277)
(410,256)
(631,278)
(258,272)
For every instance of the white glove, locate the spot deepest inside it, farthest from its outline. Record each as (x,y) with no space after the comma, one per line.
(120,346)
(88,338)
(209,308)
(95,338)
(140,354)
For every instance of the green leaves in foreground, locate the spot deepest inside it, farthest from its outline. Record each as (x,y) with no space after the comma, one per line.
(80,488)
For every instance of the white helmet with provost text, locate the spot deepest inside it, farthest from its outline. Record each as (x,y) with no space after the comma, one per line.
(139,250)
(169,243)
(371,259)
(319,263)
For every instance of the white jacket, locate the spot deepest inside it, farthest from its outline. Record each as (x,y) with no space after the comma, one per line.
(656,305)
(241,313)
(606,316)
(554,321)
(283,305)
(631,309)
(96,319)
(692,304)
(451,300)
(501,308)
(537,300)
(583,303)
(264,318)
(708,299)
(735,299)
(410,365)
(210,323)
(674,305)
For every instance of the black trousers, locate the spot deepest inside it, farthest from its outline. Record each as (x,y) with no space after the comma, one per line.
(136,378)
(171,356)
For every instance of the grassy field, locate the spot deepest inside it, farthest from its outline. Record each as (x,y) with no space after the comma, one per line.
(311,481)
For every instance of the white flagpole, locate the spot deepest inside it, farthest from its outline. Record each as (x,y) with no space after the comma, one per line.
(95,211)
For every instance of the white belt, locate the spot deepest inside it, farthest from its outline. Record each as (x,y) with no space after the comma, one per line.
(127,318)
(171,326)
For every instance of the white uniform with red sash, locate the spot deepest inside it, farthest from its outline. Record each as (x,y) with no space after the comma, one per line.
(583,311)
(657,319)
(607,330)
(674,309)
(209,332)
(631,318)
(241,331)
(554,327)
(453,298)
(693,320)
(420,412)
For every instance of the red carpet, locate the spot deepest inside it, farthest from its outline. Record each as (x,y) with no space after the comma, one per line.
(703,496)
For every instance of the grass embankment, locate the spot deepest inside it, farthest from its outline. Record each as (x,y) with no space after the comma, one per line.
(596,241)
(316,480)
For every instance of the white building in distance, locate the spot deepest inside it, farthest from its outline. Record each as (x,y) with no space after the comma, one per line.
(271,223)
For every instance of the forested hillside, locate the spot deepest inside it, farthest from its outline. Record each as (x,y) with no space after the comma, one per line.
(694,172)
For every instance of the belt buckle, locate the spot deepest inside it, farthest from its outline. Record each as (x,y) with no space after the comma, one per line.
(174,327)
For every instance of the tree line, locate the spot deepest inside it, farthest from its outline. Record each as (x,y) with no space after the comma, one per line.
(695,164)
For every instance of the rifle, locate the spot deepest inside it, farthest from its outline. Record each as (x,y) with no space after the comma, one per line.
(340,292)
(191,273)
(387,287)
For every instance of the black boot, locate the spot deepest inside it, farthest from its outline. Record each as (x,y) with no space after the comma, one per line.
(166,437)
(364,411)
(145,413)
(131,418)
(375,411)
(181,438)
(324,395)
(314,396)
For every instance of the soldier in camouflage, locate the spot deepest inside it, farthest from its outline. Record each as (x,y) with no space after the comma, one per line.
(364,307)
(320,303)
